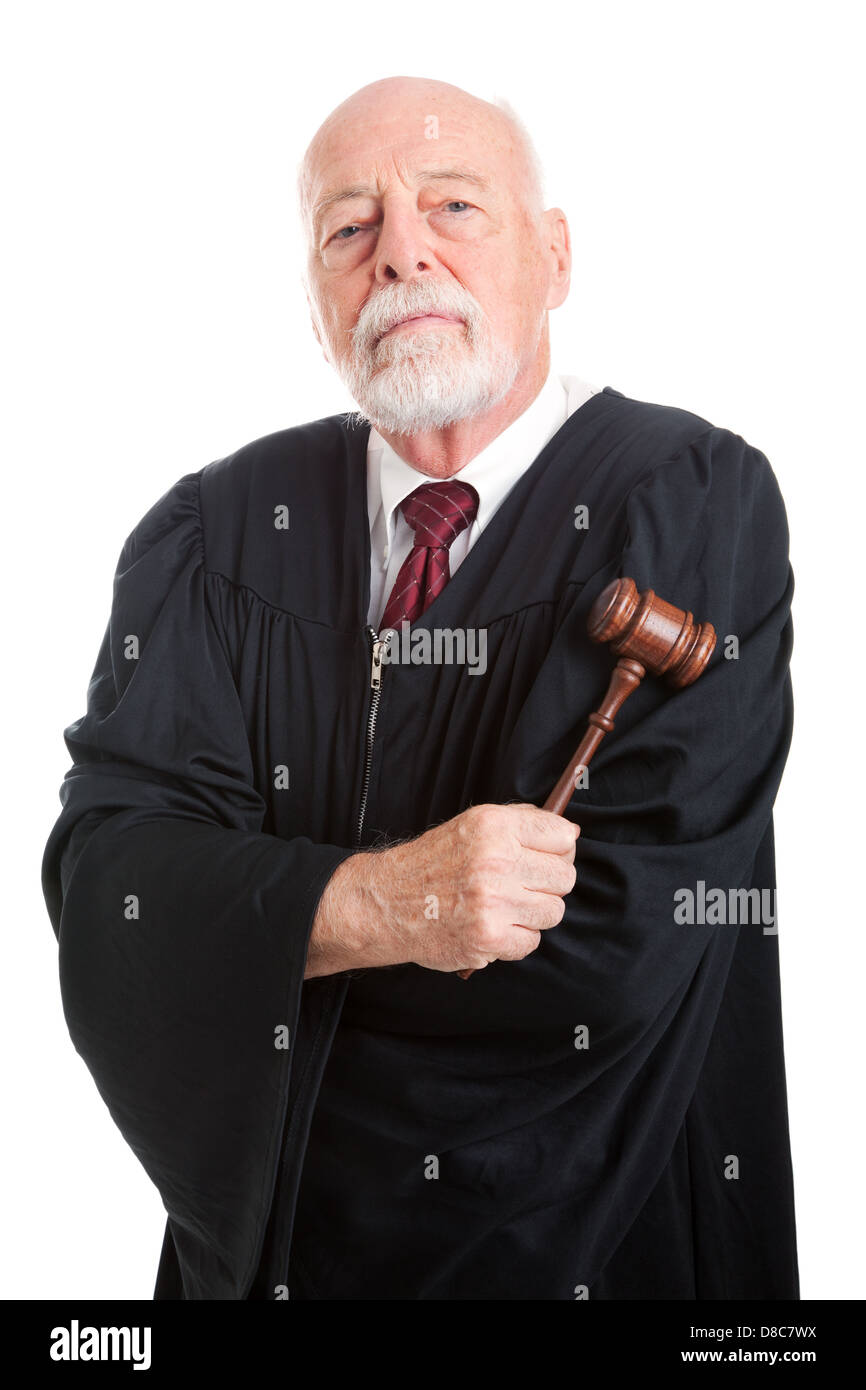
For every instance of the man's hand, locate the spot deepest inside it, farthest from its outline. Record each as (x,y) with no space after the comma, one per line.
(478,888)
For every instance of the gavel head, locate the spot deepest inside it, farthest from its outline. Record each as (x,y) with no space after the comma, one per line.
(642,627)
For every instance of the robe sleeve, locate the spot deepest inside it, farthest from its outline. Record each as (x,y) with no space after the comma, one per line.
(182,926)
(680,795)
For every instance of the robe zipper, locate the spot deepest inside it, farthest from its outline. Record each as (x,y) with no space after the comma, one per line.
(375,697)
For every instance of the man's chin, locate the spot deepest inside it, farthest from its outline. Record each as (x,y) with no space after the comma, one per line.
(420,392)
(418,377)
(416,352)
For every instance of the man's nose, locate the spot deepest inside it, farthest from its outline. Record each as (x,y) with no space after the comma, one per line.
(403,248)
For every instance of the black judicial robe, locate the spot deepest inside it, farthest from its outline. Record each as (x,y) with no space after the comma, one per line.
(217,781)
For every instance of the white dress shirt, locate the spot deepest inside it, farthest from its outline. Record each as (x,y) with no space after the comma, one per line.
(492,473)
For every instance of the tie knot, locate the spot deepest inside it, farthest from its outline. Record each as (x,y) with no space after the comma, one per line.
(437,512)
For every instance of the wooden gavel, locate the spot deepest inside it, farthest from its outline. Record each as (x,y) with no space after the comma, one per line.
(646,634)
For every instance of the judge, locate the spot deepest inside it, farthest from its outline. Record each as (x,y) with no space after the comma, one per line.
(278,847)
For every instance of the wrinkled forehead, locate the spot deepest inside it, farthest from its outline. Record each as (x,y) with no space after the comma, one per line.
(372,149)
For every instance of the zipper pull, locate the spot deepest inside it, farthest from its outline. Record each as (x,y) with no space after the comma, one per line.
(376,661)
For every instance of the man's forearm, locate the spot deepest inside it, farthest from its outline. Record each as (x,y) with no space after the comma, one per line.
(347,928)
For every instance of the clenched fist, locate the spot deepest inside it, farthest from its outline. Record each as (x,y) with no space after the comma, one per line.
(478,888)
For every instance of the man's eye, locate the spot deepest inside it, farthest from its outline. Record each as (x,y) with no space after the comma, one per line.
(347,233)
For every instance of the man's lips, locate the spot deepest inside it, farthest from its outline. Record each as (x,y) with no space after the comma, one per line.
(422,320)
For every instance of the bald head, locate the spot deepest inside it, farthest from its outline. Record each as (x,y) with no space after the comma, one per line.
(393,106)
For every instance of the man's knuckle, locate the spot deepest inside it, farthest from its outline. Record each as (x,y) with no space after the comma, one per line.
(494,865)
(479,893)
(568,879)
(484,819)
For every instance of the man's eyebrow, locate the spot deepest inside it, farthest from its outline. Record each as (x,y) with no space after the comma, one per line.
(360,190)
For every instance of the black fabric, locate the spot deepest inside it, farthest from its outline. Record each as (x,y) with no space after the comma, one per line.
(559,1167)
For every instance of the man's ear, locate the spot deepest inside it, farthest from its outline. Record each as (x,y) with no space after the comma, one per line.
(557,245)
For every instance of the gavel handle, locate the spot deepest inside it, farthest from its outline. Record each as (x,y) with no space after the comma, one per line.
(625,677)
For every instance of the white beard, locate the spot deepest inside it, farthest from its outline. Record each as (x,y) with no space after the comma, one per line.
(415,382)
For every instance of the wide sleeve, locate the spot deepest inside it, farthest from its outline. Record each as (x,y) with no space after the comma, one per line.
(689,777)
(685,785)
(677,819)
(182,926)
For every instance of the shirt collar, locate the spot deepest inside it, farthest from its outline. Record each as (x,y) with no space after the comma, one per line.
(493,471)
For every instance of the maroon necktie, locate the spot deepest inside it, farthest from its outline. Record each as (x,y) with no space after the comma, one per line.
(437,512)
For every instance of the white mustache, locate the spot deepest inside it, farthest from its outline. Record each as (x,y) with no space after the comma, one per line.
(387,310)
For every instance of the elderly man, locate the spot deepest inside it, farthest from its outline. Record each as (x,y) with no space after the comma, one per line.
(343,669)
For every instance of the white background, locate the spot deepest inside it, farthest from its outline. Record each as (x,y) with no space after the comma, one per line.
(709,159)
